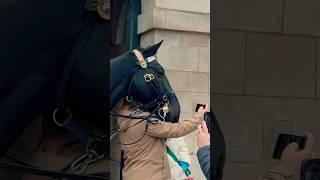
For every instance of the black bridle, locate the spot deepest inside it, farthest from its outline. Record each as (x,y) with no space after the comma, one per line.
(158,106)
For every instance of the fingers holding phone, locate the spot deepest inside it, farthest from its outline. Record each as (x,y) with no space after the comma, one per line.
(202,108)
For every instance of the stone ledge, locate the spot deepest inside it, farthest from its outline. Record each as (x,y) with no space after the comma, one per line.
(200,6)
(159,18)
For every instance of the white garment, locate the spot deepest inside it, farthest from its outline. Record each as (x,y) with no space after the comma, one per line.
(180,149)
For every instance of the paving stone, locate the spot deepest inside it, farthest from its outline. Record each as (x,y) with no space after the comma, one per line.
(228,62)
(256,15)
(302,17)
(280,65)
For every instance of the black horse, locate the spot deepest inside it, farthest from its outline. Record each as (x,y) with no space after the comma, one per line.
(56,63)
(144,83)
(53,58)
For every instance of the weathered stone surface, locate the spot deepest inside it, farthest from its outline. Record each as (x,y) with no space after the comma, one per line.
(228,62)
(302,17)
(248,15)
(242,127)
(239,171)
(199,6)
(188,21)
(197,82)
(177,80)
(158,18)
(204,60)
(306,117)
(147,39)
(147,5)
(280,65)
(179,58)
(318,70)
(185,101)
(188,100)
(272,129)
(242,118)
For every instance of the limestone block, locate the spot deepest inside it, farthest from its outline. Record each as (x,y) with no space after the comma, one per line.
(185,101)
(188,21)
(306,117)
(173,20)
(228,62)
(302,17)
(199,6)
(197,82)
(177,80)
(248,15)
(179,58)
(241,171)
(318,70)
(204,60)
(147,5)
(280,65)
(184,39)
(147,39)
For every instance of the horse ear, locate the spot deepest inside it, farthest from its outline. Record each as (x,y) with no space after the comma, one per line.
(152,50)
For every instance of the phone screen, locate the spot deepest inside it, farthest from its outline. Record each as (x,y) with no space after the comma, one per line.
(207,120)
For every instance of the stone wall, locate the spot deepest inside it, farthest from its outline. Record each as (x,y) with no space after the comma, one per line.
(184,25)
(265,77)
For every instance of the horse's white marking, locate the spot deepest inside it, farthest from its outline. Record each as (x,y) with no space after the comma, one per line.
(151,58)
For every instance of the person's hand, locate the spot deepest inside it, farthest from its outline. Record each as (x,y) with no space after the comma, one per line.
(203,136)
(190,178)
(292,157)
(202,110)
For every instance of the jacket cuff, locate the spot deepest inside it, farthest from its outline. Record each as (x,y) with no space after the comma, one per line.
(203,151)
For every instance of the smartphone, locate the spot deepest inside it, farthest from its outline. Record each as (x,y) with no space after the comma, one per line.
(284,140)
(207,120)
(200,105)
(310,169)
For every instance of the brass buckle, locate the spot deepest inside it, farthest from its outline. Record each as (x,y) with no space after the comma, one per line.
(141,60)
(148,77)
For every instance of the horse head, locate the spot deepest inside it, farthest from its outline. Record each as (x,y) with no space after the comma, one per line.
(143,82)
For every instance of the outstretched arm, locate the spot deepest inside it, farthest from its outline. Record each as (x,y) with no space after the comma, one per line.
(173,130)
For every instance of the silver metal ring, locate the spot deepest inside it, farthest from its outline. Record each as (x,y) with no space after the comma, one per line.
(62,122)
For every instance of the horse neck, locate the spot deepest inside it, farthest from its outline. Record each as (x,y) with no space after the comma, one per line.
(121,71)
